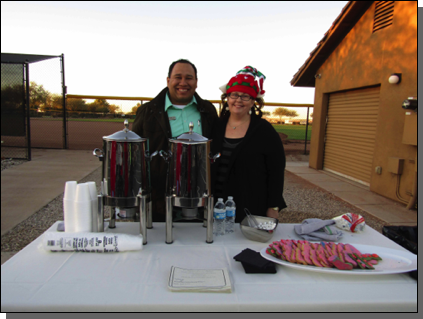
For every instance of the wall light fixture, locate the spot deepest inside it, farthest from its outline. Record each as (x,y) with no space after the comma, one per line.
(395,78)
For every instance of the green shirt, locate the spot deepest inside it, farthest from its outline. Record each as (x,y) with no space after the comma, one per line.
(179,118)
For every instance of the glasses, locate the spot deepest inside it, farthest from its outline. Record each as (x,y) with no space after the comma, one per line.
(244,97)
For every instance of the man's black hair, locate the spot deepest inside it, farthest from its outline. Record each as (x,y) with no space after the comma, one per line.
(182,61)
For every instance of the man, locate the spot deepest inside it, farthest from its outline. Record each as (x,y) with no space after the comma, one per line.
(168,116)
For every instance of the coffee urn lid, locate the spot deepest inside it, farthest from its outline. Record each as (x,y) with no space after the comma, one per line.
(125,135)
(191,137)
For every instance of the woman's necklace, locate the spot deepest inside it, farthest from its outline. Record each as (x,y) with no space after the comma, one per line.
(234,127)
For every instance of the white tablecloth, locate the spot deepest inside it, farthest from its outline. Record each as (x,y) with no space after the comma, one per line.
(37,280)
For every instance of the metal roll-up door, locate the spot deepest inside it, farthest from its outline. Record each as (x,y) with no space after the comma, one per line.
(351,133)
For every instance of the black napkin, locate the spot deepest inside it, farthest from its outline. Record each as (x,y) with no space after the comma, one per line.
(254,263)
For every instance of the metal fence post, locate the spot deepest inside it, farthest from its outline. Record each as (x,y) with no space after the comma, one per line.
(28,110)
(305,142)
(64,89)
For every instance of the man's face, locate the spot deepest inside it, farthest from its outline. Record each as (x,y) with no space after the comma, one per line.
(182,84)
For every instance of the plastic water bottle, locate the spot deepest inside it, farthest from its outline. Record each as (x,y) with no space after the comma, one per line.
(219,215)
(230,215)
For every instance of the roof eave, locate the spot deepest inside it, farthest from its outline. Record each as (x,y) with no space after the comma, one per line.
(346,20)
(21,58)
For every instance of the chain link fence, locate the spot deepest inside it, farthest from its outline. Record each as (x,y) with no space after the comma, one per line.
(32,106)
(14,140)
(46,105)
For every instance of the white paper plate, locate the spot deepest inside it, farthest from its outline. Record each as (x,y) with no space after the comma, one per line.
(393,262)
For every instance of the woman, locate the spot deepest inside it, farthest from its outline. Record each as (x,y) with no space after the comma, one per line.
(252,163)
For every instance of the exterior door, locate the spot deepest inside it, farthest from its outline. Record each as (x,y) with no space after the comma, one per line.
(351,132)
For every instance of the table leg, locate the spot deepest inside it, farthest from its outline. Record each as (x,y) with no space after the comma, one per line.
(209,207)
(169,221)
(143,217)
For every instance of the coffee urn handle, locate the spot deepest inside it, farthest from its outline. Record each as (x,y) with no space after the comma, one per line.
(165,156)
(100,156)
(148,156)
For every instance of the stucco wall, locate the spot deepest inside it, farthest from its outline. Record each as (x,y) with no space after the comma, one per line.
(366,59)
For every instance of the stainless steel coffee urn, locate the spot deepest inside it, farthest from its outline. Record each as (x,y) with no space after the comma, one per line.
(188,182)
(125,185)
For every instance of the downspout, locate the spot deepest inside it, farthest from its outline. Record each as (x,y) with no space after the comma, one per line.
(413,198)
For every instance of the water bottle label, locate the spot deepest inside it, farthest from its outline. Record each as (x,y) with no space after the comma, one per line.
(219,215)
(230,212)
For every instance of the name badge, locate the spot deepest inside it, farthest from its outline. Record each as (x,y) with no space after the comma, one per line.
(172,118)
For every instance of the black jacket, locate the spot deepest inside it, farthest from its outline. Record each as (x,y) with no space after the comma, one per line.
(256,168)
(152,122)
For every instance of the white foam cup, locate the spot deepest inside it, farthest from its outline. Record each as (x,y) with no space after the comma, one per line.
(69,215)
(70,190)
(82,193)
(93,189)
(94,204)
(83,209)
(83,217)
(68,206)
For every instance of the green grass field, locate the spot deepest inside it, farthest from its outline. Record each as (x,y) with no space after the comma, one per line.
(294,132)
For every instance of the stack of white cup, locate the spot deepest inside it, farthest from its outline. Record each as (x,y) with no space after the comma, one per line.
(94,204)
(80,207)
(68,206)
(83,209)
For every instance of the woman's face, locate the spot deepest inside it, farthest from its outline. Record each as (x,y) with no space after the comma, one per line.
(238,106)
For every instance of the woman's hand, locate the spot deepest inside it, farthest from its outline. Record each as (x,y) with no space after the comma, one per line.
(272,213)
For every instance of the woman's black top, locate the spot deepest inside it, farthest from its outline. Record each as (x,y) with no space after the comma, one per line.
(252,171)
(228,146)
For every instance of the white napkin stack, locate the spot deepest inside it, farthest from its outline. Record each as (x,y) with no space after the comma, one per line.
(80,207)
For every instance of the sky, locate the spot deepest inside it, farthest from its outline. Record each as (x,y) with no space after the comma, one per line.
(125,48)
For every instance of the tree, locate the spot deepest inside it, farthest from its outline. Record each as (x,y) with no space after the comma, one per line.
(38,96)
(76,105)
(292,113)
(281,111)
(114,109)
(99,105)
(134,109)
(56,102)
(266,113)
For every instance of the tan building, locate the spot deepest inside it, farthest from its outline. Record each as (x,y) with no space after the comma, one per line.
(360,129)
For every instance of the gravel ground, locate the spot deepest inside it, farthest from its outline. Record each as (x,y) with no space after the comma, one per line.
(304,200)
(8,163)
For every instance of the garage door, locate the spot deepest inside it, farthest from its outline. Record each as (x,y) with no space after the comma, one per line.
(351,133)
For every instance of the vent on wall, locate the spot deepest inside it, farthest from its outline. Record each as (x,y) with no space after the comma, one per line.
(384,14)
